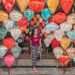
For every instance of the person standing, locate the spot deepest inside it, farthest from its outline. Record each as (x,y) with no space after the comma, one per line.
(35,46)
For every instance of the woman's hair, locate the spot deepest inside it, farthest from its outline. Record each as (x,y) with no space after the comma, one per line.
(33,31)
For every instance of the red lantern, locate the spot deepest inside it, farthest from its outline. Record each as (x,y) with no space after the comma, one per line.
(9,42)
(22,24)
(36,5)
(8,4)
(59,17)
(66,5)
(9,60)
(55,43)
(64,60)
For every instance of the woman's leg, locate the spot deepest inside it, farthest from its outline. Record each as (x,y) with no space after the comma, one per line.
(34,56)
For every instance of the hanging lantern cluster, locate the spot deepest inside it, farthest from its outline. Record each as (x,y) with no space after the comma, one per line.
(54,18)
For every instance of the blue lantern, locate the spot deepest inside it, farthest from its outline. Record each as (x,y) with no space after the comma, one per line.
(46,14)
(29,14)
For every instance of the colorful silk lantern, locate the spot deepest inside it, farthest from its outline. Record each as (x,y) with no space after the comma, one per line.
(59,34)
(22,4)
(48,40)
(52,26)
(71,52)
(71,18)
(9,24)
(3,51)
(36,5)
(65,42)
(71,35)
(66,5)
(46,14)
(3,16)
(15,15)
(9,42)
(58,52)
(52,5)
(8,4)
(65,26)
(29,14)
(15,33)
(9,60)
(22,24)
(16,51)
(55,43)
(59,17)
(3,32)
(64,60)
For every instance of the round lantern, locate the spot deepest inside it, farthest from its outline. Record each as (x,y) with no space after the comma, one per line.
(22,24)
(22,4)
(9,42)
(46,14)
(65,26)
(9,24)
(59,34)
(16,51)
(65,42)
(15,33)
(52,5)
(71,35)
(36,5)
(8,4)
(66,5)
(55,43)
(58,52)
(15,15)
(3,32)
(64,60)
(9,60)
(29,14)
(59,17)
(3,16)
(3,51)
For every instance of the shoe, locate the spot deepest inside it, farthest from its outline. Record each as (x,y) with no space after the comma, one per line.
(35,70)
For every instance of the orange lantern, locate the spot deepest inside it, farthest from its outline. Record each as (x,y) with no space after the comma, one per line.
(66,5)
(36,5)
(59,17)
(64,60)
(9,42)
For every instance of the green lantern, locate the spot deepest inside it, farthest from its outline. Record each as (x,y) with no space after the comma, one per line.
(3,32)
(3,51)
(16,51)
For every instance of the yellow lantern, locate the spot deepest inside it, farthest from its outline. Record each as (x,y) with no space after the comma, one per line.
(3,16)
(22,4)
(65,42)
(52,5)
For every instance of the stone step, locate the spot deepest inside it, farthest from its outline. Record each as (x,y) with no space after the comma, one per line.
(41,71)
(28,62)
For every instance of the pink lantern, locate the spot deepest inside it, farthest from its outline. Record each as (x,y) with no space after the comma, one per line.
(9,60)
(8,4)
